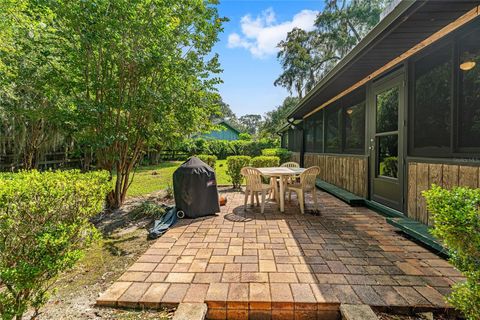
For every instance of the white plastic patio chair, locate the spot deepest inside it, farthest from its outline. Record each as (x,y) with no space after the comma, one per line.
(306,184)
(254,186)
(290,165)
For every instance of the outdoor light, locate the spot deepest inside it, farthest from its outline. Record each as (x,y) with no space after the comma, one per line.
(349,111)
(467,65)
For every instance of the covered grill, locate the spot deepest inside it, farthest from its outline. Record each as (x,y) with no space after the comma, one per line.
(195,189)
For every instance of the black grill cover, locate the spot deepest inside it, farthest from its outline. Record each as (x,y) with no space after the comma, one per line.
(195,189)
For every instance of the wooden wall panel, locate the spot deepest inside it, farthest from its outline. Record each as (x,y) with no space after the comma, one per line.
(295,157)
(422,175)
(346,172)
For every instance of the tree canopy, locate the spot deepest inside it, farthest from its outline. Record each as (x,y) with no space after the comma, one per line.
(306,56)
(119,76)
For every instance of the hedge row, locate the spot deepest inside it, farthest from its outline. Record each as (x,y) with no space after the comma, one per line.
(224,148)
(208,159)
(236,163)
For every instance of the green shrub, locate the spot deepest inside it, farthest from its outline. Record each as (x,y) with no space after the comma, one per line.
(234,165)
(44,227)
(389,167)
(456,217)
(224,148)
(283,154)
(219,148)
(208,159)
(245,136)
(265,161)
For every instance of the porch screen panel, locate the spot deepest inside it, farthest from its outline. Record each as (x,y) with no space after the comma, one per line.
(355,128)
(284,140)
(469,78)
(291,140)
(333,138)
(309,134)
(432,103)
(298,136)
(318,139)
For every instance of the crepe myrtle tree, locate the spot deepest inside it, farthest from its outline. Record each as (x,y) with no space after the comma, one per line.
(141,72)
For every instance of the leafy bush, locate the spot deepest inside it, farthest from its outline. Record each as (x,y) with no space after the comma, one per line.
(265,161)
(245,136)
(208,159)
(389,167)
(224,148)
(234,165)
(44,226)
(283,154)
(456,217)
(219,148)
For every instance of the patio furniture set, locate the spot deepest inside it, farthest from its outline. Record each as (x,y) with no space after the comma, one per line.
(289,177)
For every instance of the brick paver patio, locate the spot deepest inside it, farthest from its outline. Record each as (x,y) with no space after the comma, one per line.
(245,264)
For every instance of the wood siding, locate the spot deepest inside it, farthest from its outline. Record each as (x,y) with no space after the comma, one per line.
(347,172)
(422,175)
(295,157)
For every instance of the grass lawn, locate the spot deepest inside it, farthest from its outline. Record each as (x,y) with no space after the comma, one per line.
(146,182)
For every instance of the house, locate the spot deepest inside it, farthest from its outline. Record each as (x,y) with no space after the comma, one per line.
(400,111)
(227,132)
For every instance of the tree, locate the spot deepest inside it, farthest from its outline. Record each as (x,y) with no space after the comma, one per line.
(275,118)
(296,57)
(307,56)
(251,123)
(140,72)
(29,101)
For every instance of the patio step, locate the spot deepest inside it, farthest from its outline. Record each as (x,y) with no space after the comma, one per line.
(418,231)
(346,196)
(190,311)
(357,312)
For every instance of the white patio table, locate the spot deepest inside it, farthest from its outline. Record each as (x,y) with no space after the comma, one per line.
(282,173)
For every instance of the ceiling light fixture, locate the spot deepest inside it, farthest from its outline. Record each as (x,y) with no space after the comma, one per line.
(467,65)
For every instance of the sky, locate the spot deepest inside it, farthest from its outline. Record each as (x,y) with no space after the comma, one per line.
(248,52)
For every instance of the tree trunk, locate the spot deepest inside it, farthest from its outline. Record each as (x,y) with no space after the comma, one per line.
(123,166)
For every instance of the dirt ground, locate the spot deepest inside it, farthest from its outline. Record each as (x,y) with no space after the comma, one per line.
(123,241)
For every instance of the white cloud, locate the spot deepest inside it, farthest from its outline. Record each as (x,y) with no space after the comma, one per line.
(261,35)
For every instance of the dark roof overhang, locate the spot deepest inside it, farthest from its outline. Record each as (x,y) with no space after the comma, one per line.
(409,23)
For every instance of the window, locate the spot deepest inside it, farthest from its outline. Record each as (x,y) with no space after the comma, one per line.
(469,78)
(294,139)
(314,133)
(291,140)
(445,103)
(318,119)
(284,139)
(355,128)
(309,135)
(333,139)
(432,101)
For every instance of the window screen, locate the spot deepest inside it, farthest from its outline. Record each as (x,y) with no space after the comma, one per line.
(355,128)
(318,120)
(333,141)
(432,101)
(309,135)
(469,104)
